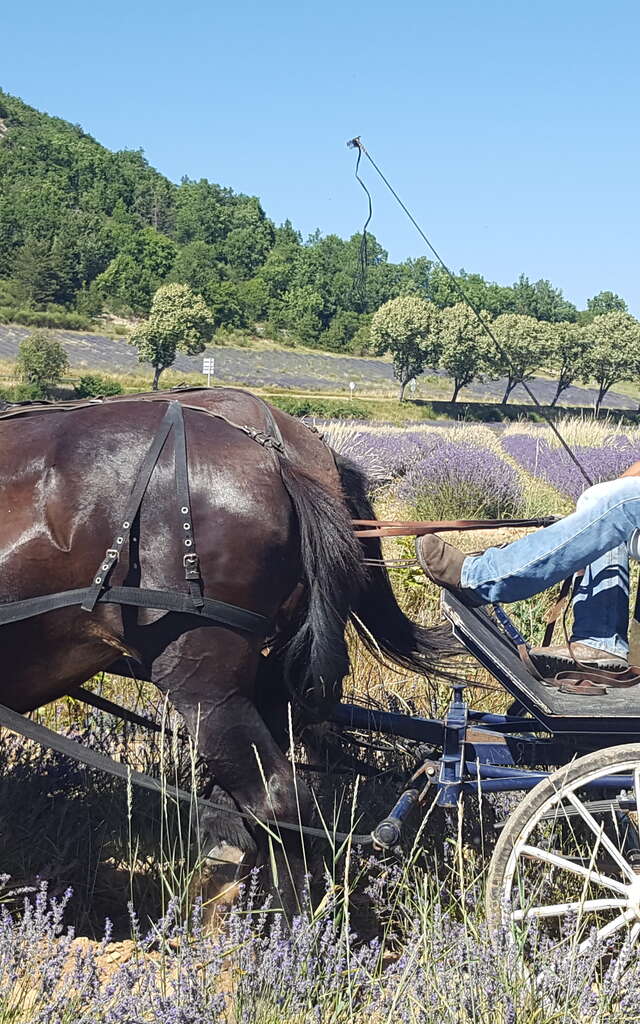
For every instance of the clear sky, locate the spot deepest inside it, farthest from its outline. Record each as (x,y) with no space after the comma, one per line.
(510,129)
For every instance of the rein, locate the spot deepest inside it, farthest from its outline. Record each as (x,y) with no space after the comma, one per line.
(408,528)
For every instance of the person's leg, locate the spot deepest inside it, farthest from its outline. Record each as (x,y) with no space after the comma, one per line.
(601,598)
(537,561)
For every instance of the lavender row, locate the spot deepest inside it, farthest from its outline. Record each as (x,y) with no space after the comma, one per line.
(438,969)
(552,463)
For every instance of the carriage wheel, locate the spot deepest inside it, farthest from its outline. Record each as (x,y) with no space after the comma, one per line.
(567,864)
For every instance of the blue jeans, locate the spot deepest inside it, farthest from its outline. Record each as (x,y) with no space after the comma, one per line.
(598,538)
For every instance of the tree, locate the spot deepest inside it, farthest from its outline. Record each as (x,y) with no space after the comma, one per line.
(442,290)
(132,277)
(300,312)
(225,304)
(41,361)
(605,302)
(542,301)
(613,353)
(463,343)
(247,244)
(407,327)
(196,265)
(525,346)
(178,320)
(35,273)
(569,344)
(341,331)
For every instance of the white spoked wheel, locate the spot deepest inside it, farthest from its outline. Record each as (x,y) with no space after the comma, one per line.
(567,863)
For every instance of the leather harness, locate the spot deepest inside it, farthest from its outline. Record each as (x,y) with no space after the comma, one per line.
(99,591)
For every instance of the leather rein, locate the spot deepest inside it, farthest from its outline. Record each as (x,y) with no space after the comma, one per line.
(408,528)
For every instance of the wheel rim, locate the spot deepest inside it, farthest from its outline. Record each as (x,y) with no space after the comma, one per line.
(570,869)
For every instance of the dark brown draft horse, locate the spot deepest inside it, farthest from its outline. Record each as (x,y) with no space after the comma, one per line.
(272,525)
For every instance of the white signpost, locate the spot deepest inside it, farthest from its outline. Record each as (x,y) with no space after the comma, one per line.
(412,385)
(352,388)
(208,364)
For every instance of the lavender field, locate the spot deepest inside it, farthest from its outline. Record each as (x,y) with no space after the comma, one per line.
(471,470)
(424,954)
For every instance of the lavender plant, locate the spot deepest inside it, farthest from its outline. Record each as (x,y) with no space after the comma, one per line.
(435,964)
(457,478)
(552,464)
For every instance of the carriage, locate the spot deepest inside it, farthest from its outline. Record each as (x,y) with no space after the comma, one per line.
(568,856)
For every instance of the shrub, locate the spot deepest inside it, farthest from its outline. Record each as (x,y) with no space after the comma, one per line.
(44,318)
(41,362)
(325,408)
(92,385)
(460,479)
(21,393)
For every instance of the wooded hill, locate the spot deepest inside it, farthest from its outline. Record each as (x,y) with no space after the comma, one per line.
(83,229)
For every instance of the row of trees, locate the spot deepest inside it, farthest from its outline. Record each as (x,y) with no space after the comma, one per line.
(84,229)
(604,350)
(417,335)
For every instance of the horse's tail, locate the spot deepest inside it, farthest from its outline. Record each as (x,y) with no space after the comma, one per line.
(376,615)
(315,657)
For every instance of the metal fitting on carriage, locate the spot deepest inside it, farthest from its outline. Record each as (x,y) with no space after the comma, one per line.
(387,834)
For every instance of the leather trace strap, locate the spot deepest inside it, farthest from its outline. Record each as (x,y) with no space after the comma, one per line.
(190,560)
(140,597)
(400,528)
(113,552)
(46,737)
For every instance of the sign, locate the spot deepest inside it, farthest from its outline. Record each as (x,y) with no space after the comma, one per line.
(352,388)
(208,364)
(412,386)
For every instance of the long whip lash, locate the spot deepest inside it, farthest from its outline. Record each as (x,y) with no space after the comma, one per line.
(361,279)
(356,143)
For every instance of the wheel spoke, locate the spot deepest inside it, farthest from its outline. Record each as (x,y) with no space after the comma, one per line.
(608,929)
(536,853)
(634,933)
(577,906)
(603,838)
(636,790)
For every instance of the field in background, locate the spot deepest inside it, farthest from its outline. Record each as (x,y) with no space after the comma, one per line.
(260,364)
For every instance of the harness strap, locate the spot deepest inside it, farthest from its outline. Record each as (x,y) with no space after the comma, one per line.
(158,600)
(190,559)
(558,608)
(112,554)
(399,528)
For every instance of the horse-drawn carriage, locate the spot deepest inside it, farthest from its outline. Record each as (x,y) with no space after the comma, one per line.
(204,541)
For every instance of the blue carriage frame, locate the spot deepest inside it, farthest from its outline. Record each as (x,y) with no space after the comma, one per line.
(478,752)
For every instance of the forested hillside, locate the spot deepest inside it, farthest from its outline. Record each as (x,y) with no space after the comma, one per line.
(84,230)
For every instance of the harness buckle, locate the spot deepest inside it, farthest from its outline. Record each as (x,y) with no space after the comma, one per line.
(191,565)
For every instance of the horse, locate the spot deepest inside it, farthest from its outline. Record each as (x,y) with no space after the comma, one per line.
(271,508)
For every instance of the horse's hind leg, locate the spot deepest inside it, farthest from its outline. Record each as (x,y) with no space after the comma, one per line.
(209,676)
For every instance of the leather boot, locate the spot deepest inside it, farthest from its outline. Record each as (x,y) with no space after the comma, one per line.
(442,563)
(550,660)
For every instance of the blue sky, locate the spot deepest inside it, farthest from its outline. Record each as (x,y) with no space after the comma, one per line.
(510,129)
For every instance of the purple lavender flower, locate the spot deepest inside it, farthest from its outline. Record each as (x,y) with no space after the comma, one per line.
(457,478)
(542,460)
